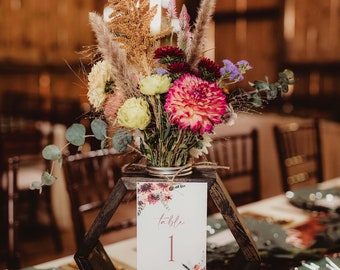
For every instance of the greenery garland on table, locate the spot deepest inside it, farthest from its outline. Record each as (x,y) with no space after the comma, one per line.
(271,241)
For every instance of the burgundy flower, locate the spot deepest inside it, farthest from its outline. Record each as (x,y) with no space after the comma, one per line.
(209,70)
(176,70)
(169,54)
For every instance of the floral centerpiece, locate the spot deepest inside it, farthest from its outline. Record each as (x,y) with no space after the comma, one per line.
(156,92)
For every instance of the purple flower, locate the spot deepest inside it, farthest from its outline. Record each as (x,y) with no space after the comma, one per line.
(244,64)
(161,71)
(229,70)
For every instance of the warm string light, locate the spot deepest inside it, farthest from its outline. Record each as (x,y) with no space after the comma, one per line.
(156,23)
(106,13)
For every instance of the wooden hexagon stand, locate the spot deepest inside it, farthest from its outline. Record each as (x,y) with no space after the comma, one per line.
(92,255)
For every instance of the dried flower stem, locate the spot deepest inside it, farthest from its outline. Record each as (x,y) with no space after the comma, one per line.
(116,56)
(204,17)
(130,25)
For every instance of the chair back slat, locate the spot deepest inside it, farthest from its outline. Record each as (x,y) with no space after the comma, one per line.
(90,178)
(300,156)
(240,153)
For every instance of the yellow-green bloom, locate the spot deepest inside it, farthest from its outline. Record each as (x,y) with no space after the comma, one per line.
(155,84)
(134,113)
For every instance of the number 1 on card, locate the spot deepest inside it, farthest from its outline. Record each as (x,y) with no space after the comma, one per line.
(171,259)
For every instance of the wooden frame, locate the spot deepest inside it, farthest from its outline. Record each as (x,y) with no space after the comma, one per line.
(91,255)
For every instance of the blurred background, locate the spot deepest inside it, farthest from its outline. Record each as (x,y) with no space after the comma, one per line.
(43,71)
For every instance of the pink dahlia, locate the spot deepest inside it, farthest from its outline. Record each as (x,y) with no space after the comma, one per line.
(195,103)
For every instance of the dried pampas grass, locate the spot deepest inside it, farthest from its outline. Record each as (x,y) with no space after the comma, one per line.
(115,55)
(204,17)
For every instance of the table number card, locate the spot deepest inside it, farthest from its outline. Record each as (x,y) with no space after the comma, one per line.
(171,226)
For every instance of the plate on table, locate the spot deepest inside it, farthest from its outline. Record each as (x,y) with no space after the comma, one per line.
(314,199)
(323,264)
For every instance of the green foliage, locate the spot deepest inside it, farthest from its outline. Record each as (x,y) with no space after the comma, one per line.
(99,128)
(121,140)
(75,134)
(48,179)
(273,90)
(263,92)
(36,185)
(51,152)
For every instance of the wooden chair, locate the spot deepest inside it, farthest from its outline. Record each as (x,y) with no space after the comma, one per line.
(29,202)
(240,153)
(300,155)
(90,178)
(21,163)
(3,226)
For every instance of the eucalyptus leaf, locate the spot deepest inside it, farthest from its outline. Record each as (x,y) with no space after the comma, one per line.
(121,140)
(102,144)
(272,94)
(260,85)
(99,129)
(35,185)
(51,152)
(75,134)
(48,179)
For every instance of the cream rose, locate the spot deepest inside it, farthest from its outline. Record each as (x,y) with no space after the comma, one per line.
(98,77)
(155,84)
(134,113)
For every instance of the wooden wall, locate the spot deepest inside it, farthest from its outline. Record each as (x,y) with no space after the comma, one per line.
(312,45)
(250,30)
(41,73)
(303,35)
(40,41)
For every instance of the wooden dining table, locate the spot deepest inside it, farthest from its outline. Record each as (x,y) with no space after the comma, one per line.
(276,210)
